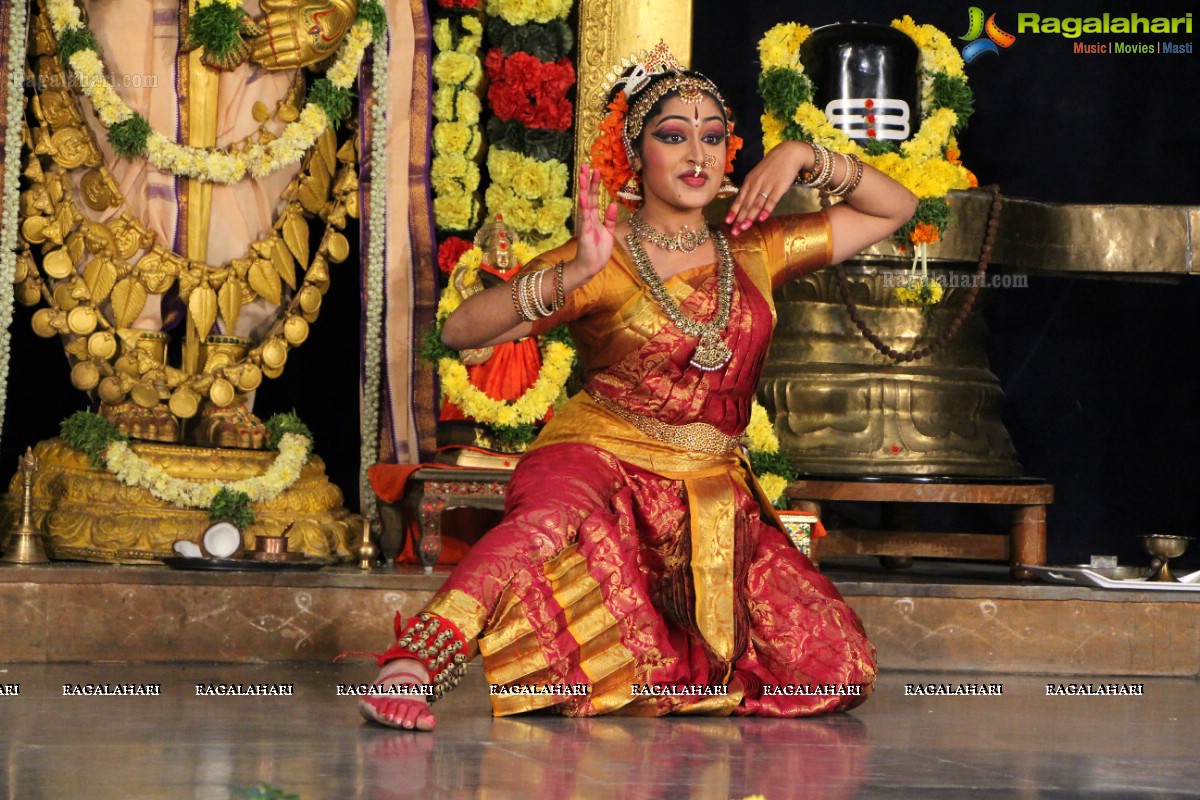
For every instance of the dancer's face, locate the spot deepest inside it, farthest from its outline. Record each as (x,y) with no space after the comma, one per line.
(676,140)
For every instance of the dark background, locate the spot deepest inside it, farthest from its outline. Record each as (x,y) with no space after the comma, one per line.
(1099,374)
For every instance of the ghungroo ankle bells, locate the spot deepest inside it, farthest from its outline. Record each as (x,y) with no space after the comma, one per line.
(437,643)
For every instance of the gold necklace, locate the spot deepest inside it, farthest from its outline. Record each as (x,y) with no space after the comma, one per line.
(686,240)
(711,351)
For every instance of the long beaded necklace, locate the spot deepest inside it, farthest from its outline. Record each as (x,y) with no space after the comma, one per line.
(686,240)
(711,351)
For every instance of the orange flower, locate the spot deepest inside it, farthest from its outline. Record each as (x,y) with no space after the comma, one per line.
(734,144)
(608,151)
(954,156)
(924,233)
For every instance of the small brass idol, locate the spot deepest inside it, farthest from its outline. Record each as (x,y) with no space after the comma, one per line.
(25,545)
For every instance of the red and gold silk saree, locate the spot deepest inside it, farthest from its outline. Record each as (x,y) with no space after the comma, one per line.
(625,563)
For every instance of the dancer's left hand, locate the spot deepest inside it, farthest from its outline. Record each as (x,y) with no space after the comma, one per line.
(767,183)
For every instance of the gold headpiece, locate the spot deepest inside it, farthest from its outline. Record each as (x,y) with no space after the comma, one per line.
(634,74)
(623,118)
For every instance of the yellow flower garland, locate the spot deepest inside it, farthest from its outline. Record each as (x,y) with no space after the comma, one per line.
(457,140)
(760,438)
(529,408)
(532,405)
(923,165)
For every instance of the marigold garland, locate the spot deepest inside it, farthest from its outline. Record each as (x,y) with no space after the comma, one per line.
(928,164)
(532,193)
(457,139)
(131,136)
(558,358)
(773,469)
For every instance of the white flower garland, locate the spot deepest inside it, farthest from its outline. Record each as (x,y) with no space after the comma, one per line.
(377,238)
(206,164)
(10,197)
(133,470)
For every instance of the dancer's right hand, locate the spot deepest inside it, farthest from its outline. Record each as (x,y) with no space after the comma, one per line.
(596,233)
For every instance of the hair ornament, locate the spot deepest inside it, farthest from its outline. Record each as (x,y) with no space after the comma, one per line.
(642,80)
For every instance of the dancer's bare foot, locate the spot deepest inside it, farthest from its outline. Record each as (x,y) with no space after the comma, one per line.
(407,711)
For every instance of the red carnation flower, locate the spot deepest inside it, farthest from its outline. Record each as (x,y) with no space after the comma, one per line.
(450,251)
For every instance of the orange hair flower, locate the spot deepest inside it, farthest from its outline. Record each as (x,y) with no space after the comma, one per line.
(608,150)
(733,144)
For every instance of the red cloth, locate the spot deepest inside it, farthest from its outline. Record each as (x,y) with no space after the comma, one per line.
(388,481)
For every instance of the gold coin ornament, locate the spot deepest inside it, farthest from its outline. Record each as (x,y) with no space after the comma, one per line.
(184,403)
(82,320)
(43,322)
(295,330)
(102,345)
(144,394)
(84,376)
(111,391)
(310,299)
(28,293)
(33,230)
(58,264)
(64,296)
(221,393)
(274,354)
(95,191)
(339,248)
(251,377)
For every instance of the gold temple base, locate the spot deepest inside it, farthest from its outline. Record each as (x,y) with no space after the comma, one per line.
(89,515)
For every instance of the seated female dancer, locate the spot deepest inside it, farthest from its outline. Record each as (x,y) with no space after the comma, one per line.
(637,549)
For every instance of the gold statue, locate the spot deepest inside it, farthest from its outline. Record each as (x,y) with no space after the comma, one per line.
(119,265)
(180,269)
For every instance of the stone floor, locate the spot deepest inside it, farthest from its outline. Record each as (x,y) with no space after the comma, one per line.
(312,745)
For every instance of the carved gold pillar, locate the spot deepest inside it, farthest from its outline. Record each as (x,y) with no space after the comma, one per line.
(610,30)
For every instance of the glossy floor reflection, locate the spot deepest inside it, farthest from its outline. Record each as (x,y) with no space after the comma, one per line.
(1022,744)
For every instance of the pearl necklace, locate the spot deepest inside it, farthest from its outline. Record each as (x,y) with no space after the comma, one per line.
(711,351)
(686,240)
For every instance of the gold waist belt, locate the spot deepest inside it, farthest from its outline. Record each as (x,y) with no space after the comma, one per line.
(698,436)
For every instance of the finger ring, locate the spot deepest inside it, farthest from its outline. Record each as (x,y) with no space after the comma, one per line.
(764,195)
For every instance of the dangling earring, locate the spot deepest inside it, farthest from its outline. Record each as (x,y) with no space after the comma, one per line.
(632,190)
(727,188)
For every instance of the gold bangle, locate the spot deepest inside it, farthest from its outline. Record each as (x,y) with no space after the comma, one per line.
(515,290)
(560,285)
(539,301)
(858,173)
(846,179)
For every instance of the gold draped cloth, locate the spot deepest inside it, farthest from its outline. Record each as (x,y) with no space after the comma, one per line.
(638,556)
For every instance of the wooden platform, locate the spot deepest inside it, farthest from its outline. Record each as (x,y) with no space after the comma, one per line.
(959,617)
(1024,543)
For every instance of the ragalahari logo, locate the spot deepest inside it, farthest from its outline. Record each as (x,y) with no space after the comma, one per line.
(996,38)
